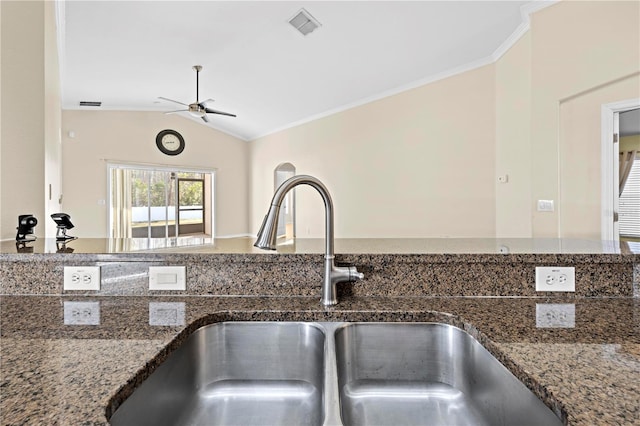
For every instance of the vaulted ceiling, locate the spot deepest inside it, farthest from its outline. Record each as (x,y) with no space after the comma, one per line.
(126,54)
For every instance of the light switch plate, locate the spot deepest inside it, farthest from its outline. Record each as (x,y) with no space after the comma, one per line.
(167,278)
(167,313)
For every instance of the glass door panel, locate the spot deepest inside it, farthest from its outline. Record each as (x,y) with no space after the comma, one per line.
(140,204)
(159,215)
(190,206)
(152,217)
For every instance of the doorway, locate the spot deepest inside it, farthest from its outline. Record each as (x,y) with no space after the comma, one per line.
(629,176)
(618,160)
(286,219)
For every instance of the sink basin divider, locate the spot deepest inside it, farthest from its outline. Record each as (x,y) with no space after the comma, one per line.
(332,415)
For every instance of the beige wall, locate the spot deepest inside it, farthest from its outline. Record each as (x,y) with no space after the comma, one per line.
(130,137)
(388,163)
(23,115)
(580,159)
(417,164)
(513,141)
(576,48)
(421,163)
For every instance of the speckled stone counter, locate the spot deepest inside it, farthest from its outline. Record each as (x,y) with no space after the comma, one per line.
(54,372)
(70,358)
(392,267)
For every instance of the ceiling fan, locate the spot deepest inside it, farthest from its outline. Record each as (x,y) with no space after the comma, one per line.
(197,109)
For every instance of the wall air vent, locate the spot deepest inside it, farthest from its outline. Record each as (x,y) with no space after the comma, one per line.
(90,103)
(304,22)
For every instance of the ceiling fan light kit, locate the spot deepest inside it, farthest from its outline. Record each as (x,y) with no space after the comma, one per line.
(197,109)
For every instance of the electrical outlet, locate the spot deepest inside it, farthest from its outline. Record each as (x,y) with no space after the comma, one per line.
(81,278)
(555,315)
(167,278)
(82,313)
(555,278)
(545,205)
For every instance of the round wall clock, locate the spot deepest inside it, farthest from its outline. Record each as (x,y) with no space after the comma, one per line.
(170,142)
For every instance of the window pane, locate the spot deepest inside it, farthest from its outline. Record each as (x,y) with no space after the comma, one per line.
(629,219)
(157,187)
(190,217)
(191,175)
(139,198)
(191,193)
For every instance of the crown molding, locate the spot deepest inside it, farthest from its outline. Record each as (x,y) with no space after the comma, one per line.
(525,14)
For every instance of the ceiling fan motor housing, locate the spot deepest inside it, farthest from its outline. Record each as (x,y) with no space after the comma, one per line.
(196,110)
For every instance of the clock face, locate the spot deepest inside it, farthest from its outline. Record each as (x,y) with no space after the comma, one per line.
(170,142)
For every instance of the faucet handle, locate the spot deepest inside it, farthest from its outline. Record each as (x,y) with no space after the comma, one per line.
(354,275)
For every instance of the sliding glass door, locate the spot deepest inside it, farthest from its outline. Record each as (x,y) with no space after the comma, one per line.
(157,202)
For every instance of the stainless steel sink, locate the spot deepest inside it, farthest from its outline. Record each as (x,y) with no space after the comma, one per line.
(427,374)
(235,374)
(331,374)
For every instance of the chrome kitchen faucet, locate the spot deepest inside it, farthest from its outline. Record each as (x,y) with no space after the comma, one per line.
(266,238)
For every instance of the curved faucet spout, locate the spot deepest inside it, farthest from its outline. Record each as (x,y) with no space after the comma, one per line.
(267,235)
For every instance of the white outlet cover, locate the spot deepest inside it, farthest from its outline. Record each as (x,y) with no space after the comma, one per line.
(82,313)
(555,315)
(556,278)
(167,313)
(545,206)
(81,278)
(167,278)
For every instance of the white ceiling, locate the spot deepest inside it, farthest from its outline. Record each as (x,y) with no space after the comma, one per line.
(127,53)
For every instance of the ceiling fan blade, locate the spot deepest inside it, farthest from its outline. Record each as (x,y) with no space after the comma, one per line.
(171,100)
(207,101)
(213,111)
(205,119)
(176,111)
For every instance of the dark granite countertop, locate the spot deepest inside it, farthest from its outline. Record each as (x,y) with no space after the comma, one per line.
(145,248)
(53,372)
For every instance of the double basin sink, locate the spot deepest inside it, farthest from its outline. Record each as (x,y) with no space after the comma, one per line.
(297,373)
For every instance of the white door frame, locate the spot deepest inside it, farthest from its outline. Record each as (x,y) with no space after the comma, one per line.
(609,162)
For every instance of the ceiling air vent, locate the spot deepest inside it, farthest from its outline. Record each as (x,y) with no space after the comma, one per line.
(91,103)
(304,22)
